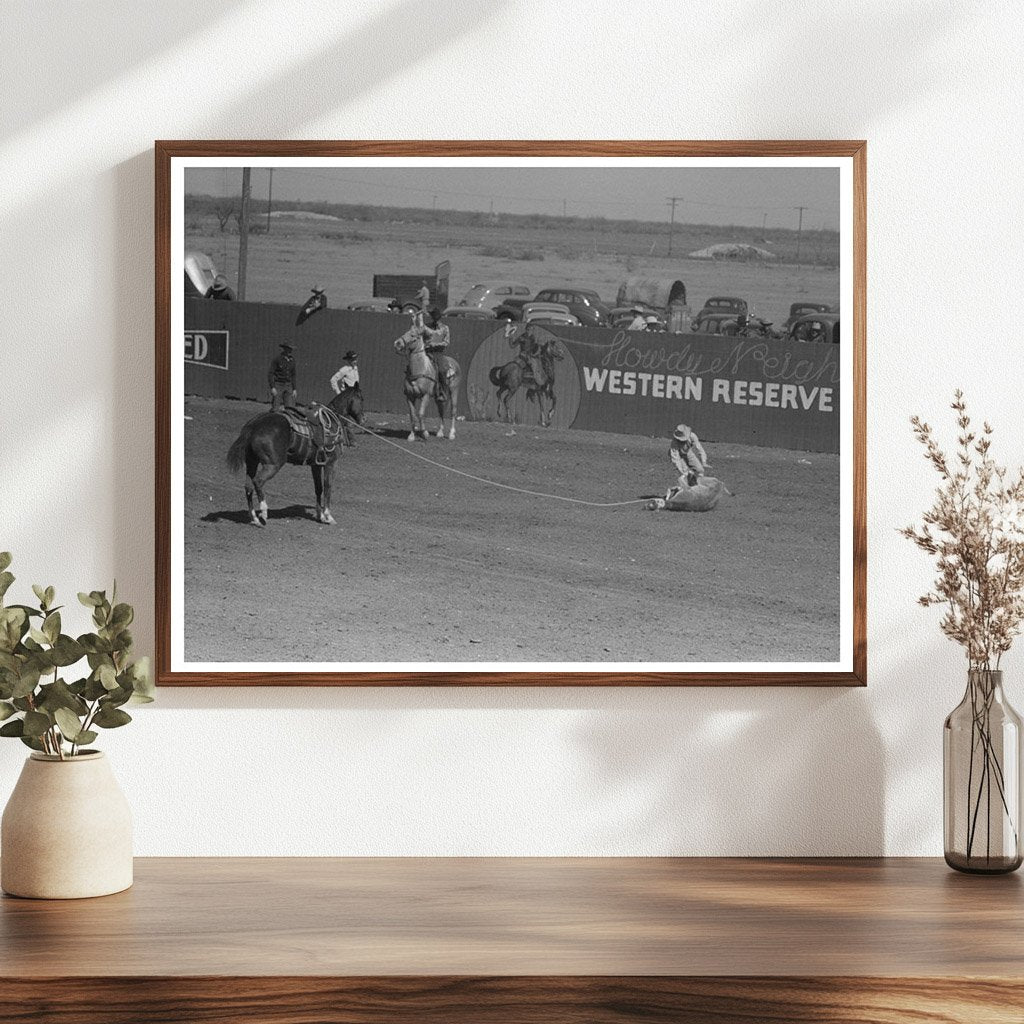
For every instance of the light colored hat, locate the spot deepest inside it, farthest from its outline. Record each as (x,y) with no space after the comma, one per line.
(682,432)
(652,320)
(319,289)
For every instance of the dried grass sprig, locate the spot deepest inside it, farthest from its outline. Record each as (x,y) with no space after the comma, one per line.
(975,532)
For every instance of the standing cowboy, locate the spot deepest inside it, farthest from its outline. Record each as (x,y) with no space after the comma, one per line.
(281,378)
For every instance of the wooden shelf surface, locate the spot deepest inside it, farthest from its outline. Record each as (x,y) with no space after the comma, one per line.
(699,928)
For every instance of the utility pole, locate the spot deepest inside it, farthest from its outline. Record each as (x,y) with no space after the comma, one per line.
(672,223)
(433,205)
(799,230)
(270,197)
(243,232)
(563,209)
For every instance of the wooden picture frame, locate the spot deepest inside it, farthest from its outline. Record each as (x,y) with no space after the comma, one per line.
(252,563)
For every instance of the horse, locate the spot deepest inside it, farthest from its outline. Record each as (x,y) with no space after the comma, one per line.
(348,407)
(534,367)
(272,439)
(542,390)
(421,382)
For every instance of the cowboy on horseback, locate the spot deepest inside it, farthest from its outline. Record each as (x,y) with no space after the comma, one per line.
(435,341)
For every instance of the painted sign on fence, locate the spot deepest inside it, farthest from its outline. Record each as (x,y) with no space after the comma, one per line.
(733,389)
(207,348)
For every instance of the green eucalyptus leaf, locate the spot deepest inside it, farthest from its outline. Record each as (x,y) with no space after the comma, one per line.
(94,689)
(13,626)
(6,579)
(27,681)
(31,741)
(38,636)
(59,695)
(50,595)
(111,718)
(36,723)
(5,559)
(69,724)
(9,663)
(51,626)
(115,698)
(89,600)
(22,703)
(6,710)
(122,616)
(94,645)
(13,728)
(107,676)
(66,651)
(86,736)
(40,593)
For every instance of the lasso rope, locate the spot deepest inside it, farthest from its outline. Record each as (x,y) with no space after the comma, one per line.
(484,480)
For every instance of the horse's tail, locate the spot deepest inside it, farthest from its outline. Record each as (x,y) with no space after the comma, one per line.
(495,375)
(237,451)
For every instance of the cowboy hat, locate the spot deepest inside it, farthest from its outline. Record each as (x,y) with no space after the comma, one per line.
(287,344)
(351,355)
(319,288)
(682,432)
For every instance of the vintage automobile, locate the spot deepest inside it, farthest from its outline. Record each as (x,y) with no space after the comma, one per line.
(491,294)
(719,304)
(554,313)
(405,287)
(799,309)
(725,304)
(815,327)
(724,322)
(585,305)
(467,313)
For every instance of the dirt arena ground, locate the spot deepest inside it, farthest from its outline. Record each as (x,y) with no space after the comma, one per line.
(425,565)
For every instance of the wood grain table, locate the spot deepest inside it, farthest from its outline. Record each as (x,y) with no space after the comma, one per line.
(502,941)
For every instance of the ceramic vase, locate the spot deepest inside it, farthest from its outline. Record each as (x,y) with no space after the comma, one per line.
(66,831)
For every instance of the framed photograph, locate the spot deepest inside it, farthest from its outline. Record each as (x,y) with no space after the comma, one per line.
(510,413)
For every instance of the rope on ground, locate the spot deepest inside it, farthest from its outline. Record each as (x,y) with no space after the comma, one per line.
(484,480)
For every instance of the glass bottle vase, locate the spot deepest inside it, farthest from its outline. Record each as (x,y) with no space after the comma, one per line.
(981,773)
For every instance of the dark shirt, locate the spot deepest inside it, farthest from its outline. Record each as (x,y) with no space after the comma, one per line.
(282,369)
(227,293)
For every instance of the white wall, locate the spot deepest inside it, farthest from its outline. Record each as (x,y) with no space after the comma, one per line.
(936,88)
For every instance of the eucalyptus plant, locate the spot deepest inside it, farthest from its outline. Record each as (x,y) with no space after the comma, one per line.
(37,704)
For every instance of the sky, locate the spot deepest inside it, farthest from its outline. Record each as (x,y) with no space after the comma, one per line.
(734,195)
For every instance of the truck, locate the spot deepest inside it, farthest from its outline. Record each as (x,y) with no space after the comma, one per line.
(404,287)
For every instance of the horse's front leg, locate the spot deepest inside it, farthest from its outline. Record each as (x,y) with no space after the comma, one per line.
(322,486)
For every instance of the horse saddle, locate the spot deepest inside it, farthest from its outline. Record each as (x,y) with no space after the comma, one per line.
(304,447)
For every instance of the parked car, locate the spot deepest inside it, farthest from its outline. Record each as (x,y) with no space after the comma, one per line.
(585,305)
(555,313)
(815,327)
(716,323)
(799,309)
(717,305)
(467,313)
(491,294)
(725,304)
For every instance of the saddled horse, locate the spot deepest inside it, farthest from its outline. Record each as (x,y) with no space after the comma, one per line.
(534,367)
(421,382)
(273,439)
